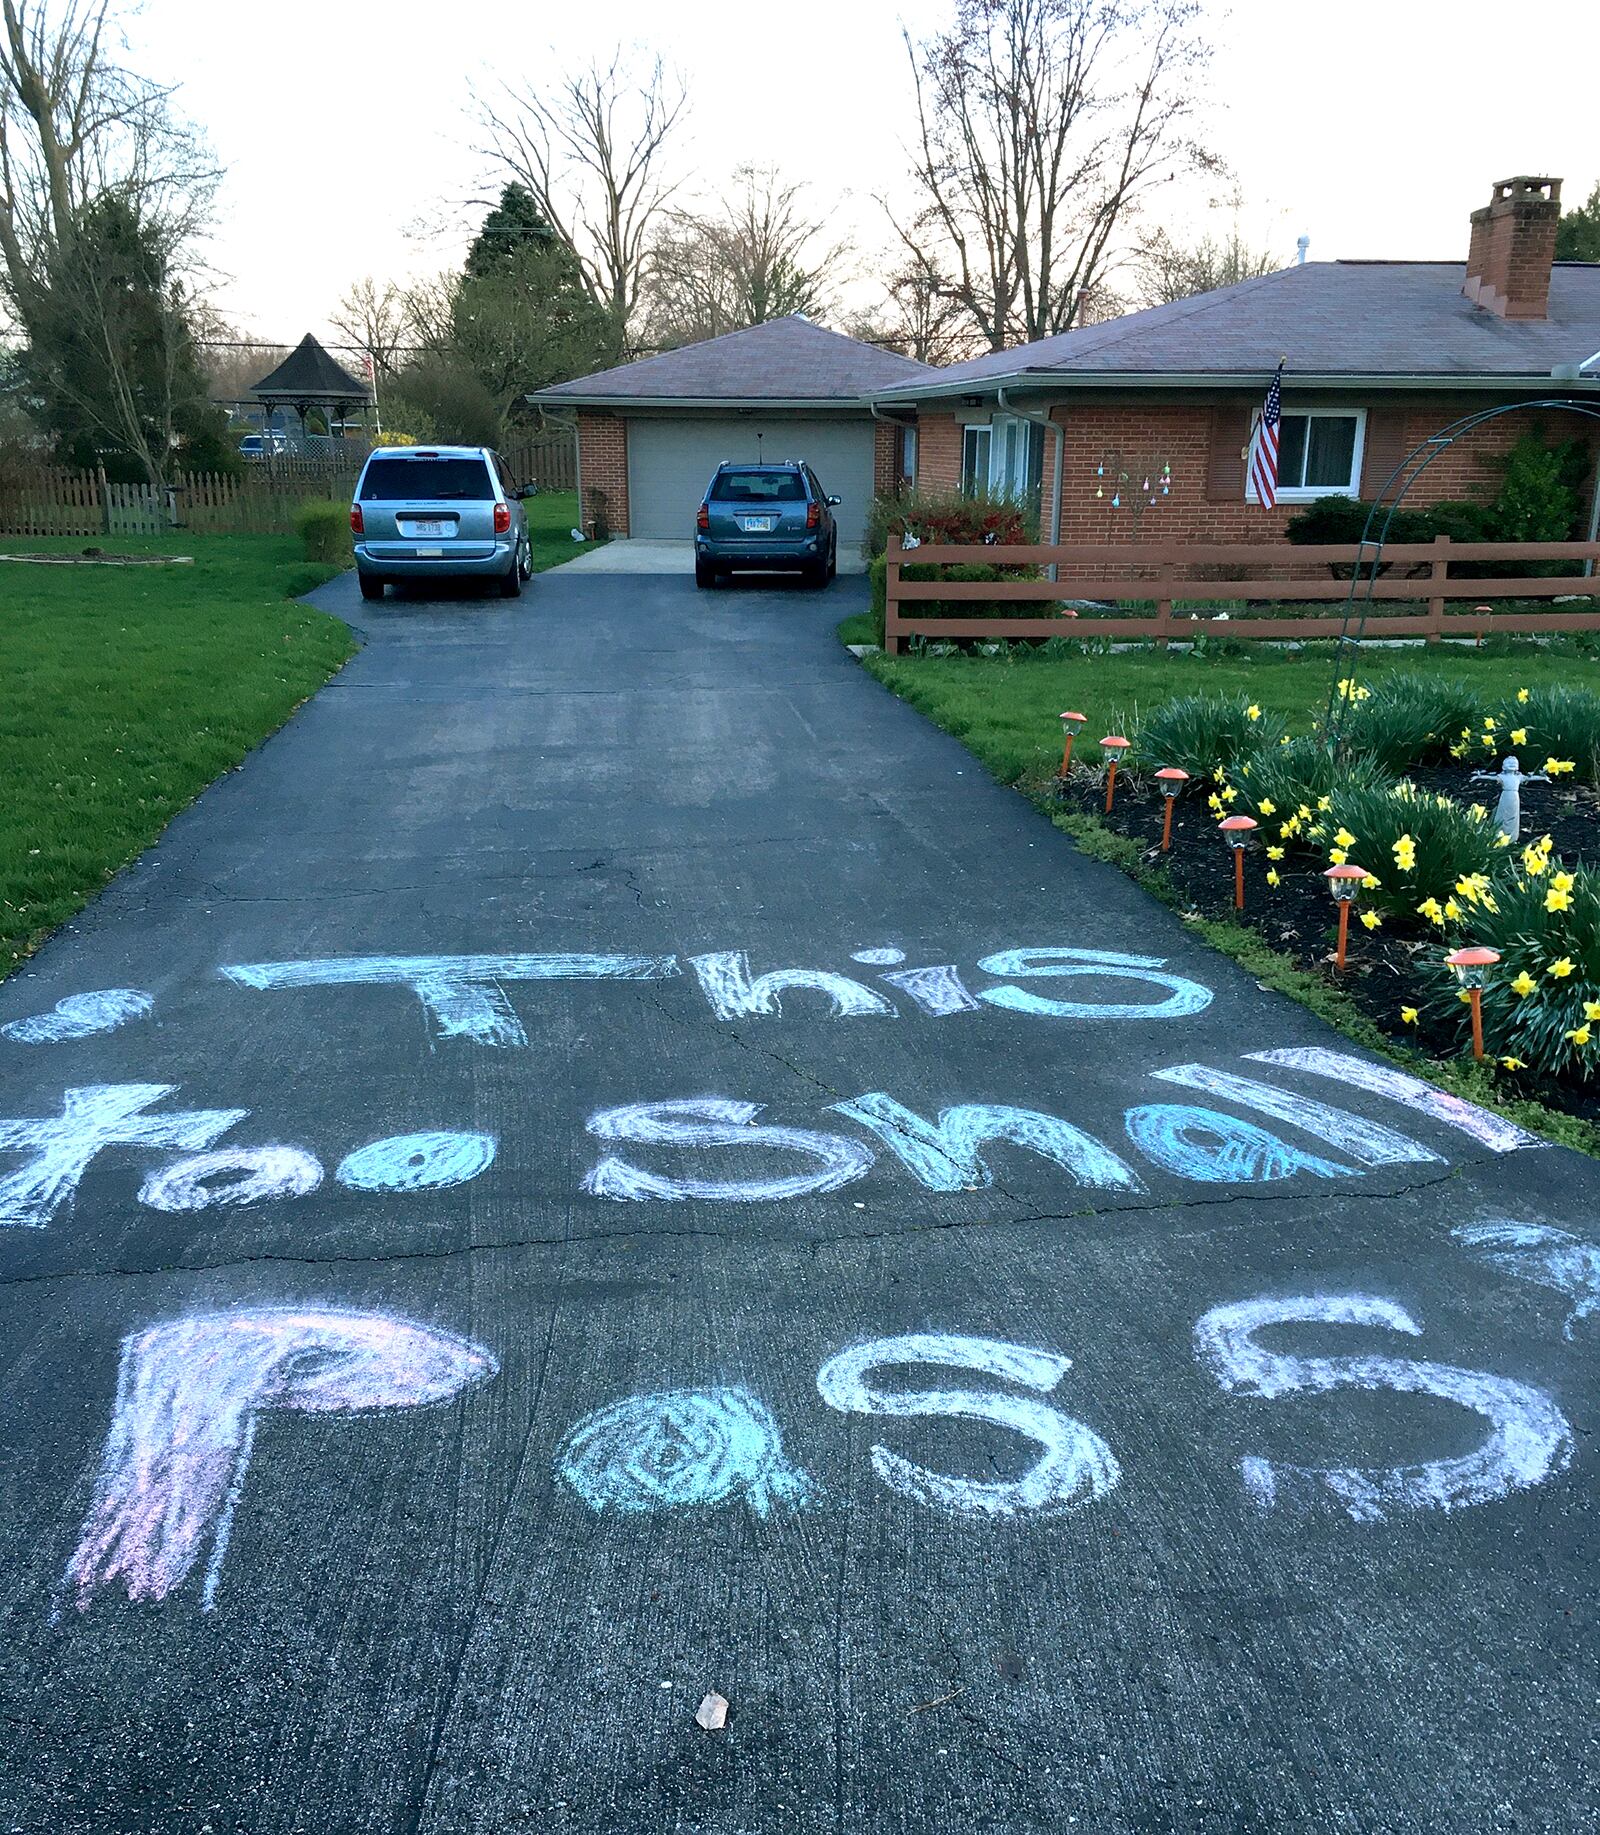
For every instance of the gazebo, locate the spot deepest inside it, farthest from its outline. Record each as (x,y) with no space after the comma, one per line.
(309,378)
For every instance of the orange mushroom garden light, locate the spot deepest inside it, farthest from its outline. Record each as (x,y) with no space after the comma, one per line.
(1071,725)
(1171,780)
(1237,829)
(1472,971)
(1344,882)
(1113,747)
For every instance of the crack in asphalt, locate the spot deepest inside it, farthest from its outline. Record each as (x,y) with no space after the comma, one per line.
(814,1244)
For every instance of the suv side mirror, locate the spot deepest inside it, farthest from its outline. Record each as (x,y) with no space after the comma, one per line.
(833,503)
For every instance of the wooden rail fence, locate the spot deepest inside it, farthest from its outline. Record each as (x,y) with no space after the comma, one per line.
(1172,577)
(263,500)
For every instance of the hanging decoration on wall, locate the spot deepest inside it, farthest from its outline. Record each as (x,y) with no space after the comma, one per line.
(1141,481)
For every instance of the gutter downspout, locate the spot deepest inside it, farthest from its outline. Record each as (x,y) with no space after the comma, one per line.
(1044,421)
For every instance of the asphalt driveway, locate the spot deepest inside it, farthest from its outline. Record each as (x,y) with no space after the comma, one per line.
(609,1163)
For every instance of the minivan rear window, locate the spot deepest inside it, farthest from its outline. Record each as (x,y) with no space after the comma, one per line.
(758,487)
(426,481)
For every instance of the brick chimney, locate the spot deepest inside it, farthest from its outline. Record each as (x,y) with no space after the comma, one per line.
(1513,246)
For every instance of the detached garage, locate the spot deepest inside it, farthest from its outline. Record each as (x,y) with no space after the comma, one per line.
(651,433)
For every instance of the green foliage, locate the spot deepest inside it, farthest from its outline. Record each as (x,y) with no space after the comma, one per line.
(1578,232)
(128,689)
(307,577)
(110,369)
(1560,723)
(1285,777)
(1409,719)
(1338,519)
(949,516)
(1539,497)
(324,531)
(1447,843)
(1533,1003)
(515,223)
(1202,734)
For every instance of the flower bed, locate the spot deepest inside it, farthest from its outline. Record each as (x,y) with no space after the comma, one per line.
(1397,803)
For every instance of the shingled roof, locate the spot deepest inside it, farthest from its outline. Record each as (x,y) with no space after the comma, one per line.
(1356,319)
(308,373)
(784,360)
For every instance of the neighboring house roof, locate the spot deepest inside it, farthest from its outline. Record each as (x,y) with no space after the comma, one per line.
(1366,320)
(786,360)
(309,373)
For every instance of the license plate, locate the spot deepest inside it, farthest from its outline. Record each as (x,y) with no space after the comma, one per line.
(430,554)
(427,525)
(756,525)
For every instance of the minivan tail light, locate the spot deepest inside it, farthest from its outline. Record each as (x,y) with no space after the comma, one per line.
(702,519)
(502,519)
(357,523)
(813,514)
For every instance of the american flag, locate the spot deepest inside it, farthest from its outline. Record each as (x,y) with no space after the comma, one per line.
(1264,447)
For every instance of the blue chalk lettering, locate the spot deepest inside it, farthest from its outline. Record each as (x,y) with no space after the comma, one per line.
(417,1162)
(945,1155)
(1183,998)
(1548,1257)
(1075,1466)
(1218,1149)
(461,994)
(725,980)
(880,958)
(937,989)
(681,1449)
(261,1173)
(92,1118)
(1367,1141)
(80,1016)
(714,1122)
(1529,1439)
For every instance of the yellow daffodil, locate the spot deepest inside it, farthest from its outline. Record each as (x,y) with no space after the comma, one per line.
(1267,806)
(1522,695)
(1564,882)
(1304,813)
(1274,853)
(1273,878)
(1338,856)
(1371,920)
(1580,1035)
(1524,984)
(1533,860)
(1432,910)
(1408,1016)
(1488,724)
(1560,968)
(1559,767)
(1451,909)
(1214,803)
(1519,735)
(1220,774)
(1324,802)
(1513,1064)
(1591,1009)
(1244,770)
(1344,838)
(1252,712)
(1557,900)
(1228,793)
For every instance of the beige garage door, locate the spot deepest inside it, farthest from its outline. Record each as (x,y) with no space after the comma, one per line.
(670,462)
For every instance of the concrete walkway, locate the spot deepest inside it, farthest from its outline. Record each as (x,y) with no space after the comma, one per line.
(613,1170)
(626,556)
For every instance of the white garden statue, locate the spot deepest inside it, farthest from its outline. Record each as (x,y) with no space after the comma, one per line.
(1508,811)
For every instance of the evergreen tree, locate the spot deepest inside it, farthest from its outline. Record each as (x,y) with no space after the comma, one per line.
(512,226)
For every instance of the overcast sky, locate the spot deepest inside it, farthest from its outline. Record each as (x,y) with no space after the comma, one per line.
(1374,126)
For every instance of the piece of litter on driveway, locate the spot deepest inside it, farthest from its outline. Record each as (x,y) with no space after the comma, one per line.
(712,1713)
(923,1706)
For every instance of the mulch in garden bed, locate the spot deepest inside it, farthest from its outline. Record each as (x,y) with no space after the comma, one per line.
(1383,968)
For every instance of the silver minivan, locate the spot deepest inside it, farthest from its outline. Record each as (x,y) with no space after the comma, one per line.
(439,513)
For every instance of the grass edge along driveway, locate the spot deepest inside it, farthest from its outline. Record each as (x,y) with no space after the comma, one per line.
(1005,713)
(128,691)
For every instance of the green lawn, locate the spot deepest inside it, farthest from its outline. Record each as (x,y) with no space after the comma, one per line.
(552,516)
(1007,711)
(126,691)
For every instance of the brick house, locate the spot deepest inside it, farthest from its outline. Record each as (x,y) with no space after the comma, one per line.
(651,433)
(1146,420)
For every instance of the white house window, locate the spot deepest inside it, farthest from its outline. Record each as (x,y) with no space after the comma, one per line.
(975,444)
(1319,455)
(1004,457)
(908,454)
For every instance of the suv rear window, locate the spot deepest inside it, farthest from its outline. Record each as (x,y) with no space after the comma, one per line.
(758,487)
(426,481)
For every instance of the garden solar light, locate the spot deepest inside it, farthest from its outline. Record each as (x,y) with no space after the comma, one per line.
(1344,882)
(1071,726)
(1171,780)
(1237,830)
(1472,971)
(1113,747)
